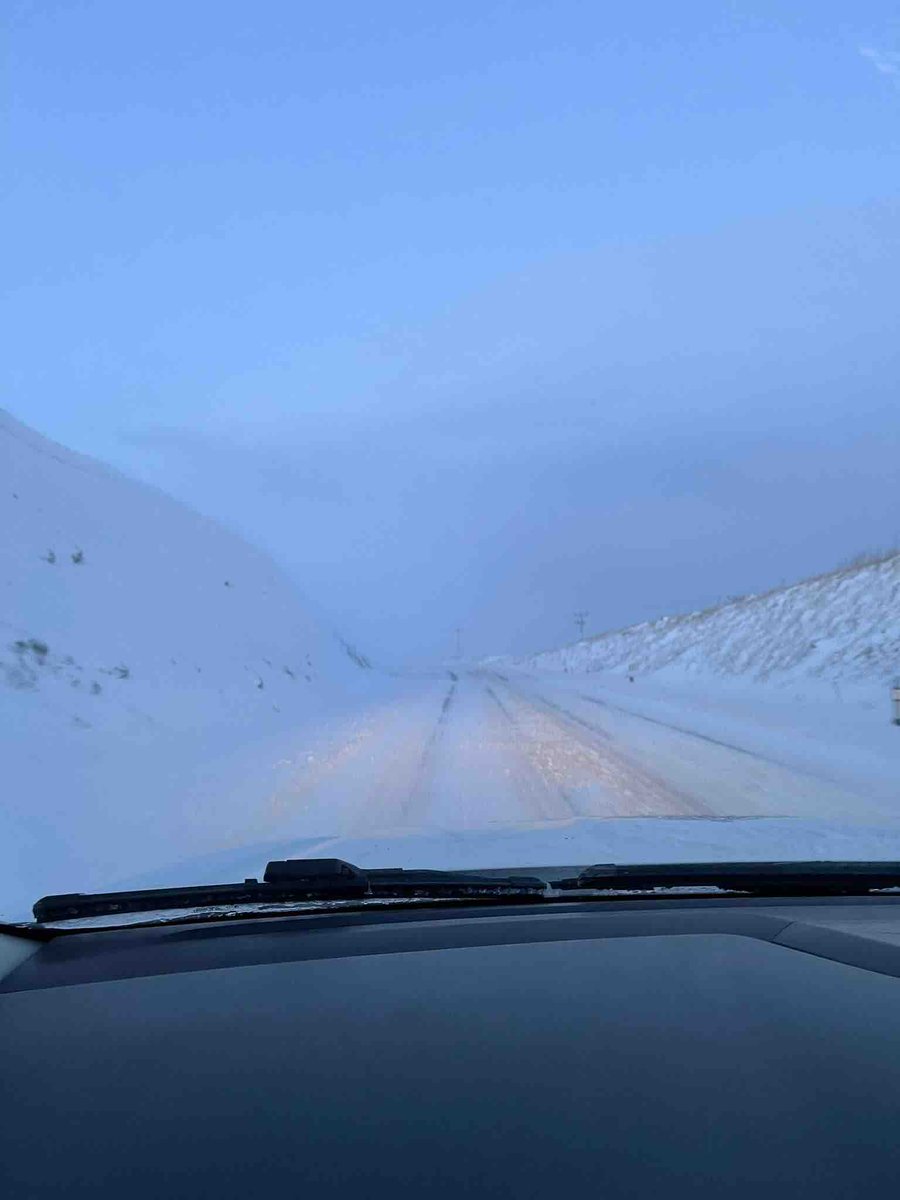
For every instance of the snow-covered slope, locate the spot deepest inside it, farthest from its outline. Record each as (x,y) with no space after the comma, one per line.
(842,626)
(139,642)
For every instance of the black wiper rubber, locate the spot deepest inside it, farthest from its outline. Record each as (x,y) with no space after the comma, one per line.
(400,883)
(757,878)
(287,882)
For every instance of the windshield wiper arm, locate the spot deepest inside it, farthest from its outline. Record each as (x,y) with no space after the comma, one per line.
(758,878)
(292,881)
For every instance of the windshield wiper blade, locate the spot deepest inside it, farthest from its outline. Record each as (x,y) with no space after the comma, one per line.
(290,882)
(398,882)
(757,878)
(314,879)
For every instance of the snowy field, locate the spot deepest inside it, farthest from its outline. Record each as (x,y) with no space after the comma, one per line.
(171,711)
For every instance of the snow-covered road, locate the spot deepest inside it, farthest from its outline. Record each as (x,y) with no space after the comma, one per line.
(480,750)
(474,768)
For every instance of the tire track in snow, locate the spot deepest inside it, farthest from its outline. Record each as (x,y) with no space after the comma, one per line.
(692,733)
(522,747)
(420,790)
(646,793)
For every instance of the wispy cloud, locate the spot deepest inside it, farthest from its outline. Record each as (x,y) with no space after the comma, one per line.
(886,62)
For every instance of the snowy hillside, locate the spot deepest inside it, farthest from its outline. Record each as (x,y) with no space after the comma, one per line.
(139,642)
(840,627)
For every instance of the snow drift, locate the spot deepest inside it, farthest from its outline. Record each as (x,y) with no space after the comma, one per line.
(140,645)
(841,626)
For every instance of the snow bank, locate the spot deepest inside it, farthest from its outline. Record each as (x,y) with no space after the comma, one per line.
(139,644)
(840,627)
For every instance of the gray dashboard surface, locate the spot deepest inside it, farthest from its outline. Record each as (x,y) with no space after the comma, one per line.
(678,1064)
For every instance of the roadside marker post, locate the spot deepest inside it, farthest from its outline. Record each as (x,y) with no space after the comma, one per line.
(895,700)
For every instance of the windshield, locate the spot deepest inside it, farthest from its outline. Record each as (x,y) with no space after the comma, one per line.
(447,436)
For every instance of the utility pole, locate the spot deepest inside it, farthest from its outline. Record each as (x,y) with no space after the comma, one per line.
(458,633)
(580,619)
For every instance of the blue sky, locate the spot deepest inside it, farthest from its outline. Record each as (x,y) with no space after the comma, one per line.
(472,314)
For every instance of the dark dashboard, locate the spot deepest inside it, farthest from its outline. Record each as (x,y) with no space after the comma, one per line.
(627,1049)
